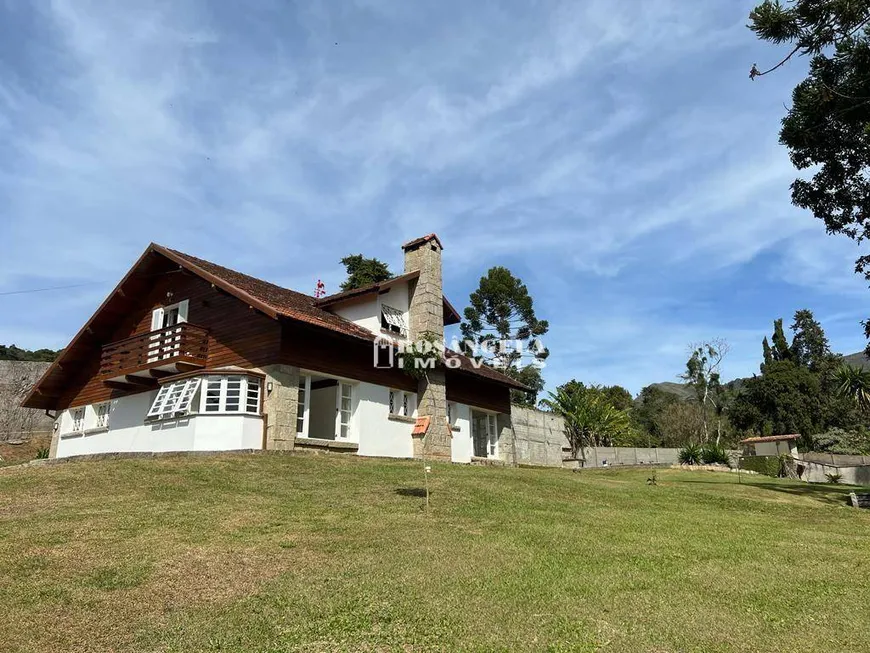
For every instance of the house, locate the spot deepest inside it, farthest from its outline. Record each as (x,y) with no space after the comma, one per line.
(773,445)
(187,355)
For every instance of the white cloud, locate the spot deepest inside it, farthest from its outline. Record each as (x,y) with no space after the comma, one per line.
(610,150)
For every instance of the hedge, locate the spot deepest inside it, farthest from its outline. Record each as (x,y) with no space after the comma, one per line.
(768,465)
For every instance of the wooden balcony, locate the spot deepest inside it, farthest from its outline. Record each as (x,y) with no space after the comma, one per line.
(144,358)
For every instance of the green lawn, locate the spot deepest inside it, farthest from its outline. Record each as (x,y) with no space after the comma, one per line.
(323,553)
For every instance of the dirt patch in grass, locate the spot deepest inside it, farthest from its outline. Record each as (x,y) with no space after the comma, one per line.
(15,454)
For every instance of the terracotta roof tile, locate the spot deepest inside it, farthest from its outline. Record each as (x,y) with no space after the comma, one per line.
(770,438)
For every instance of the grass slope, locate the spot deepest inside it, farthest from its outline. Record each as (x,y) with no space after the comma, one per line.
(320,553)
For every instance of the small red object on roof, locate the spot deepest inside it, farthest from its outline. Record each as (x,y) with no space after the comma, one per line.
(421,426)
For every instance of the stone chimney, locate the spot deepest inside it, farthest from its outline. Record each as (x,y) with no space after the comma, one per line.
(426,315)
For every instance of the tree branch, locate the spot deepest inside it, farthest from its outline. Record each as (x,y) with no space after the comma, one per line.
(754,72)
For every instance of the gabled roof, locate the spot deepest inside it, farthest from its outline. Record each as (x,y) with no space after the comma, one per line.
(268,298)
(451,315)
(272,300)
(367,289)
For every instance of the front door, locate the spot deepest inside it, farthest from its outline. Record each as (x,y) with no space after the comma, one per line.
(343,411)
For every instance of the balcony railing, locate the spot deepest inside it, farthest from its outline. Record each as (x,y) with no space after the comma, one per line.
(162,349)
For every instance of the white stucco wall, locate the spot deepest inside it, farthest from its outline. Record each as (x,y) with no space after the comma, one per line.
(364,313)
(462,446)
(367,314)
(378,434)
(775,448)
(128,431)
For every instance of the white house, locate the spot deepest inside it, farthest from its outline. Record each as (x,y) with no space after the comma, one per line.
(187,355)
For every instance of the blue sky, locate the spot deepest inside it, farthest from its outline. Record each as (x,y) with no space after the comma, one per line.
(613,154)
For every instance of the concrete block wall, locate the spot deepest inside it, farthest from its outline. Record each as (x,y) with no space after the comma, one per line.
(538,437)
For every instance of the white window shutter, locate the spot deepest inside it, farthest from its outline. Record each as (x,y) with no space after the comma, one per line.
(157,319)
(182,310)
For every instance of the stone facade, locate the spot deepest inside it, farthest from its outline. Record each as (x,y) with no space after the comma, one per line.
(426,311)
(280,406)
(426,316)
(16,380)
(432,398)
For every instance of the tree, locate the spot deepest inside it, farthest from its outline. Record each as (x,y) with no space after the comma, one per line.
(827,128)
(680,424)
(785,399)
(590,420)
(13,353)
(854,383)
(799,389)
(362,271)
(810,344)
(703,375)
(501,328)
(781,349)
(619,397)
(649,406)
(615,395)
(530,376)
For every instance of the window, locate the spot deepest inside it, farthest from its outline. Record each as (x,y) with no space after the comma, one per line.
(302,403)
(253,403)
(493,435)
(102,411)
(174,399)
(231,394)
(393,320)
(345,409)
(401,403)
(78,420)
(166,342)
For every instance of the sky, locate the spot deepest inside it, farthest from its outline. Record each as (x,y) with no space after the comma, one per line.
(613,154)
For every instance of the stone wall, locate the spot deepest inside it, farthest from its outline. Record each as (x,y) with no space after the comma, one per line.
(280,406)
(16,380)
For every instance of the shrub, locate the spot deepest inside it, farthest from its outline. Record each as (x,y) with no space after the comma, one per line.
(853,442)
(690,455)
(41,453)
(834,477)
(714,454)
(767,465)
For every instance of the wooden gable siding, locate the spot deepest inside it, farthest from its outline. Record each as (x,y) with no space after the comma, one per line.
(238,335)
(475,391)
(319,350)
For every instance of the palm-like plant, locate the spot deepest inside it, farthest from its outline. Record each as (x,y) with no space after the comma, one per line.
(590,420)
(854,382)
